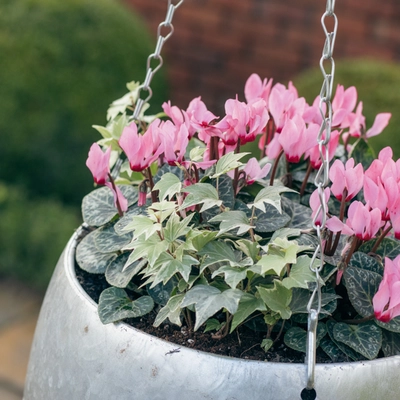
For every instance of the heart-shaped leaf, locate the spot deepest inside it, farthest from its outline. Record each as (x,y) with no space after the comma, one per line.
(296,337)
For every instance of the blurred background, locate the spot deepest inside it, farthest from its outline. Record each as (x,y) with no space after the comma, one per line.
(63,62)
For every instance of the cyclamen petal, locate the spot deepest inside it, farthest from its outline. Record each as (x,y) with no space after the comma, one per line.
(380,123)
(118,197)
(98,163)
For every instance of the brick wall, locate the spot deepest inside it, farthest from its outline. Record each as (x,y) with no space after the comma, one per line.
(217,44)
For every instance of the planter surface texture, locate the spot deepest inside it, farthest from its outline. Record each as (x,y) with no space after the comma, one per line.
(75,357)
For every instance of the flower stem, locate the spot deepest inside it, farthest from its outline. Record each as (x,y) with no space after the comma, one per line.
(381,237)
(120,212)
(304,184)
(275,168)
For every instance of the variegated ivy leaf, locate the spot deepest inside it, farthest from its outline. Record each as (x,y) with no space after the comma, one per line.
(278,254)
(176,227)
(208,300)
(90,258)
(277,299)
(361,287)
(300,273)
(248,304)
(217,252)
(114,305)
(172,310)
(232,275)
(168,186)
(201,193)
(285,233)
(364,338)
(142,225)
(199,239)
(98,206)
(227,163)
(230,220)
(269,195)
(149,248)
(160,211)
(127,219)
(249,248)
(120,105)
(196,154)
(167,266)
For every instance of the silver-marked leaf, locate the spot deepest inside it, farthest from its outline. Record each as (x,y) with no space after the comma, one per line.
(296,337)
(300,216)
(365,338)
(388,247)
(89,258)
(208,300)
(168,168)
(364,261)
(108,241)
(98,206)
(119,277)
(114,305)
(332,350)
(161,293)
(361,287)
(390,343)
(392,326)
(271,220)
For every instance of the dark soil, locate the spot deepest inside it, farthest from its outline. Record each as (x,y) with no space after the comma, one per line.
(243,344)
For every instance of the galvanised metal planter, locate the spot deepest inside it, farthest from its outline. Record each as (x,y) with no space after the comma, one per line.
(75,356)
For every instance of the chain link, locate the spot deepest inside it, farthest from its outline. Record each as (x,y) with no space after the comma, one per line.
(156,57)
(321,181)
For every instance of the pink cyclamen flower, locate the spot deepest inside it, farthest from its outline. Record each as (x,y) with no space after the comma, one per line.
(98,163)
(343,104)
(346,177)
(386,301)
(315,205)
(175,140)
(255,88)
(141,150)
(296,139)
(362,221)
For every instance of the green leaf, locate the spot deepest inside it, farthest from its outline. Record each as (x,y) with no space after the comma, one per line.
(296,337)
(90,258)
(248,304)
(392,326)
(332,350)
(161,293)
(208,300)
(266,344)
(285,233)
(217,252)
(176,227)
(390,343)
(172,310)
(119,277)
(232,275)
(279,253)
(108,241)
(277,299)
(201,193)
(271,220)
(364,261)
(361,287)
(270,195)
(301,297)
(213,325)
(388,248)
(124,221)
(227,163)
(98,206)
(300,274)
(114,305)
(168,186)
(362,153)
(232,220)
(200,238)
(365,338)
(150,249)
(249,248)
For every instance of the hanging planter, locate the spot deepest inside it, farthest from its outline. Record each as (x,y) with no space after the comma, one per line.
(185,228)
(75,356)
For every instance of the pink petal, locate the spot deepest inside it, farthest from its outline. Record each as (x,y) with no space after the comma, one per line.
(380,123)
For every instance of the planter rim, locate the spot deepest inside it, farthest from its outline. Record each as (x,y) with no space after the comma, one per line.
(69,262)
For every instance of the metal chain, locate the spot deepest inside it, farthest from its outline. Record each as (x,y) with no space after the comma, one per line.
(321,181)
(156,56)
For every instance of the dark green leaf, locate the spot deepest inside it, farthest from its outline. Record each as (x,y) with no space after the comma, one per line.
(108,241)
(364,261)
(362,153)
(388,248)
(392,326)
(271,220)
(361,287)
(390,343)
(119,277)
(300,216)
(161,293)
(364,338)
(248,304)
(333,351)
(296,338)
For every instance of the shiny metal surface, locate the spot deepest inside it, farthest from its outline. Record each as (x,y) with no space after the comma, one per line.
(75,357)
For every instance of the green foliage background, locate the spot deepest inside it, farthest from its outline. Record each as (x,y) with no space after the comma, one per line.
(61,65)
(378,87)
